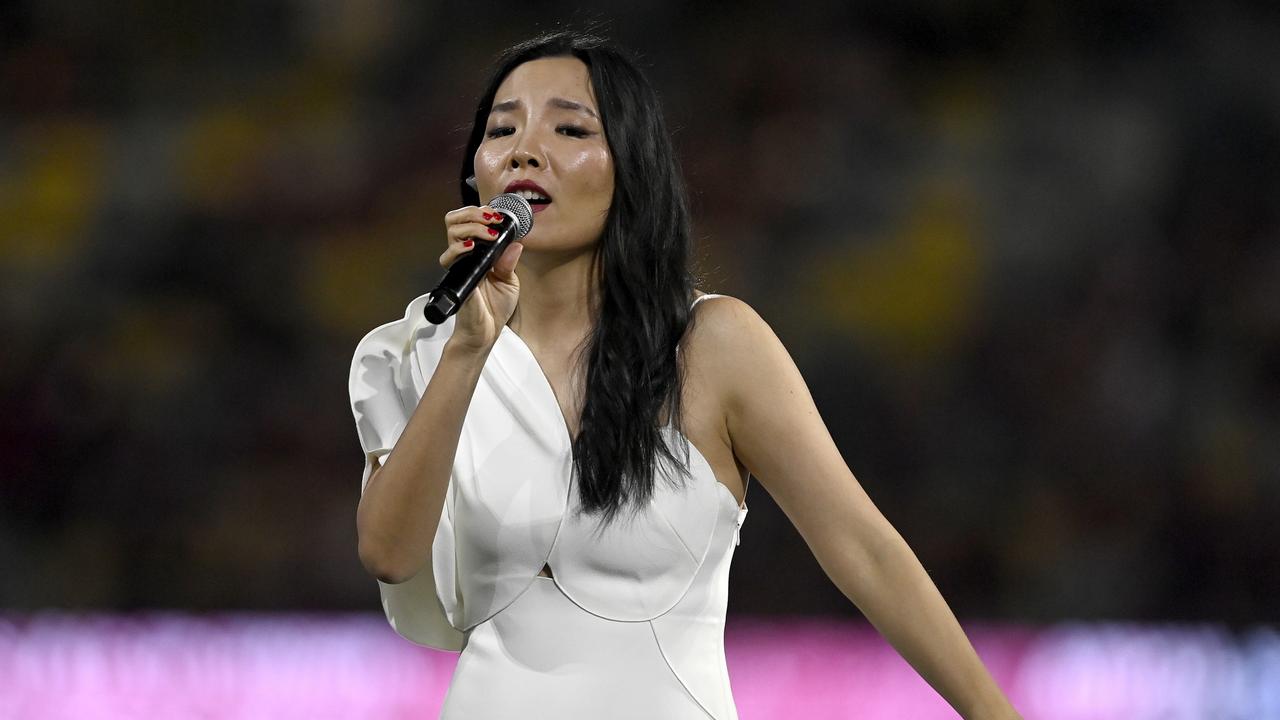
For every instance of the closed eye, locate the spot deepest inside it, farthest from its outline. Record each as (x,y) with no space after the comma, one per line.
(574,131)
(500,131)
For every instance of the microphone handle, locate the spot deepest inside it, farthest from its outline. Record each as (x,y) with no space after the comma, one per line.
(466,273)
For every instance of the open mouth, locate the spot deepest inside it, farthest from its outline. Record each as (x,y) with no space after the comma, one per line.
(538,198)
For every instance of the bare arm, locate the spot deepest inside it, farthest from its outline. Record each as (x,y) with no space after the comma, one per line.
(765,398)
(401,505)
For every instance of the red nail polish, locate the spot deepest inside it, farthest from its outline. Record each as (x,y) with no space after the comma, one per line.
(493,231)
(468,243)
(487,216)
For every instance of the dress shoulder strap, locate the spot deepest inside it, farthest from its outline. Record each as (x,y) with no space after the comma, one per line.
(703,297)
(694,304)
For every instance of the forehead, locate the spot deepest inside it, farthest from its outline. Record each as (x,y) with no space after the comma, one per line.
(537,80)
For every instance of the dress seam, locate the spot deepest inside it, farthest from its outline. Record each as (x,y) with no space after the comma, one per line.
(696,560)
(663,652)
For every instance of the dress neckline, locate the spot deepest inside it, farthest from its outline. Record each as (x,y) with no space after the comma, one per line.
(564,423)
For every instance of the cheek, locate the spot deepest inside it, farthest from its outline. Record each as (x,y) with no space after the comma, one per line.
(594,168)
(488,163)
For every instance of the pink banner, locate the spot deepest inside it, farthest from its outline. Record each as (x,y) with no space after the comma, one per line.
(298,666)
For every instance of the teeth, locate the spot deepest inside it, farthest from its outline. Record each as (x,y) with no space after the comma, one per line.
(531,195)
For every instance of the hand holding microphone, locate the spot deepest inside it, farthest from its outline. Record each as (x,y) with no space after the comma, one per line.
(485,268)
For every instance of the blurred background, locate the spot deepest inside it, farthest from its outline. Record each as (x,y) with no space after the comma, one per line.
(1026,255)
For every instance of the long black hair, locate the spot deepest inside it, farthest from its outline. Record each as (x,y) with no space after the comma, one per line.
(642,285)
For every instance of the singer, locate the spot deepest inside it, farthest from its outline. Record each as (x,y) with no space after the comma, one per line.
(555,476)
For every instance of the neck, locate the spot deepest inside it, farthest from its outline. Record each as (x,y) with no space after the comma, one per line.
(555,293)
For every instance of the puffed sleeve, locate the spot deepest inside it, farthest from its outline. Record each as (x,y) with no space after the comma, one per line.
(388,376)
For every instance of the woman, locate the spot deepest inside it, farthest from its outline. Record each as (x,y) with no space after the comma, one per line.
(555,477)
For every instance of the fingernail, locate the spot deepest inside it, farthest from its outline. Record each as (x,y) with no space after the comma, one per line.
(487,216)
(468,243)
(493,231)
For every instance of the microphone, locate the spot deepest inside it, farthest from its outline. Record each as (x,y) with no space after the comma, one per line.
(467,271)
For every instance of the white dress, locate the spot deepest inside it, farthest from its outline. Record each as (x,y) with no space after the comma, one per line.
(632,622)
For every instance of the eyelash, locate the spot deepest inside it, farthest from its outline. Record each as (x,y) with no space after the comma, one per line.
(573,131)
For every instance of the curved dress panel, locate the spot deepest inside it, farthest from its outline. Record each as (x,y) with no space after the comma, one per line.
(545,657)
(641,564)
(691,634)
(554,658)
(510,483)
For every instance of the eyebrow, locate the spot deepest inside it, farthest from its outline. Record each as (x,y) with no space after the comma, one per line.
(557,102)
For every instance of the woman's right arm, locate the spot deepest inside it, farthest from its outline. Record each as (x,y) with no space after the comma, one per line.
(400,507)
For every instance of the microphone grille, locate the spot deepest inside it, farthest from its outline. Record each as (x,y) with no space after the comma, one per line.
(517,206)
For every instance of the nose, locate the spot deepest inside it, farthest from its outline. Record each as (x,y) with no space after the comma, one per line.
(522,156)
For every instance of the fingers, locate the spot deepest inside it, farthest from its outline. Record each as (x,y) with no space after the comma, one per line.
(470,213)
(471,222)
(504,266)
(455,251)
(468,223)
(471,231)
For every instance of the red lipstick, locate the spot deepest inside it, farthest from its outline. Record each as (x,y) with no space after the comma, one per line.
(540,198)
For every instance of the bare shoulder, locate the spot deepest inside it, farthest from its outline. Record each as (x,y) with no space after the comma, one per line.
(721,319)
(727,341)
(763,398)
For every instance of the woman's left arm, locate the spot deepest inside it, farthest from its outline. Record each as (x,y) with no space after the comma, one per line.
(778,435)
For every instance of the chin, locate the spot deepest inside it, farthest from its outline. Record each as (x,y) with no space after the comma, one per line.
(550,241)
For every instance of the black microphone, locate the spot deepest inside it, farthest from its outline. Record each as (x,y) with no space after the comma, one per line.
(467,271)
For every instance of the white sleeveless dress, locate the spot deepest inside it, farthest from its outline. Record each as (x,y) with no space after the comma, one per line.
(631,625)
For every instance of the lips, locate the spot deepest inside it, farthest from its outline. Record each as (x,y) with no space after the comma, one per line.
(538,198)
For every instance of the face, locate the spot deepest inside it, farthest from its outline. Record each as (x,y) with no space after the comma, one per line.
(544,138)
